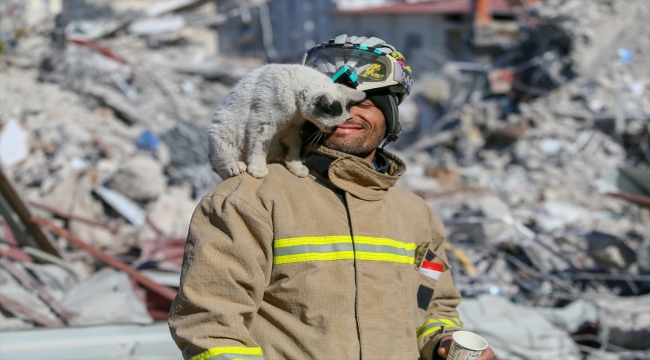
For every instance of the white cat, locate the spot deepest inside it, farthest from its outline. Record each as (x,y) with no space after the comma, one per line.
(261,117)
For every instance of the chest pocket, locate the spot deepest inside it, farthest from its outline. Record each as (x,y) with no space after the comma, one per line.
(429,267)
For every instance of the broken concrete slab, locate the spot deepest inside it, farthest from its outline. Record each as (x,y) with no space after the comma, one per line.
(137,342)
(162,8)
(609,251)
(153,26)
(38,311)
(516,332)
(172,211)
(628,321)
(116,101)
(123,205)
(626,180)
(13,143)
(106,297)
(141,178)
(13,323)
(85,204)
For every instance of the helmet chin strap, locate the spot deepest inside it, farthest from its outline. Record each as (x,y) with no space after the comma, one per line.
(389,139)
(395,127)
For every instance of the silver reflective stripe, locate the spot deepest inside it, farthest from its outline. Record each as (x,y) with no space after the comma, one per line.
(302,249)
(385,250)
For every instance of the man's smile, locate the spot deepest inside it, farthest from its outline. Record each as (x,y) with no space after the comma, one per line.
(350,128)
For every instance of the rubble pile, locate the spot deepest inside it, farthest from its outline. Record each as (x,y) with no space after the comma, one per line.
(103,137)
(537,163)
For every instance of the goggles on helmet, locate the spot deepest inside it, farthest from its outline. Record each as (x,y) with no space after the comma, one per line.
(363,67)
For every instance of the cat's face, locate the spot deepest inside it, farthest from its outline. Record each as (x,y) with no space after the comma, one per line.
(329,110)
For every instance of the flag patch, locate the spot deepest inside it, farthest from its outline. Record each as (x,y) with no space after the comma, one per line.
(431,269)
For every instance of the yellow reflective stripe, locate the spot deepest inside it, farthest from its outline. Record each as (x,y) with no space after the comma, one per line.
(230,352)
(451,322)
(315,248)
(311,240)
(288,259)
(384,242)
(432,325)
(428,331)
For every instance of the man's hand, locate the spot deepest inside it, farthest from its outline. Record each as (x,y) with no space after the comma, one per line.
(445,343)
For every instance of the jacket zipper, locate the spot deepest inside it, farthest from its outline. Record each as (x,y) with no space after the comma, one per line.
(342,196)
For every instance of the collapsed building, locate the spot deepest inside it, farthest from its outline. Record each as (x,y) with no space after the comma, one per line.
(537,162)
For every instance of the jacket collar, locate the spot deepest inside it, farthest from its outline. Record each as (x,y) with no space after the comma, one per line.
(353,174)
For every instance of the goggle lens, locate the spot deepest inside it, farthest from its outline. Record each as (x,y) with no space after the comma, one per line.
(370,67)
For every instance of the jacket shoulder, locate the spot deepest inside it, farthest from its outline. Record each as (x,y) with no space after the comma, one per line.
(409,196)
(249,188)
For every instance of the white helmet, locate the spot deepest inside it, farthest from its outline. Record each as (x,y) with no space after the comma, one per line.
(367,64)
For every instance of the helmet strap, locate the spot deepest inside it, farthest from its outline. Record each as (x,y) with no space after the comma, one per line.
(389,139)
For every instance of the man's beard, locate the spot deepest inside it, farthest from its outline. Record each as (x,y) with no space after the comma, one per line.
(360,146)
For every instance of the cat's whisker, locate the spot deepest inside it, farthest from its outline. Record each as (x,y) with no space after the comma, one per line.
(317,139)
(310,139)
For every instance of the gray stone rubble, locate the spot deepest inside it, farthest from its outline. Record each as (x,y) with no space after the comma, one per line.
(543,185)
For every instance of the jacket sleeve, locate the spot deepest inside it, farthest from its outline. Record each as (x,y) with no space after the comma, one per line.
(441,317)
(226,267)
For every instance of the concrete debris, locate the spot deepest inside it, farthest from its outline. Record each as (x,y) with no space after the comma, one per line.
(609,251)
(628,321)
(137,342)
(550,203)
(25,305)
(625,180)
(115,101)
(516,332)
(106,297)
(170,210)
(13,143)
(536,159)
(87,99)
(157,25)
(123,205)
(140,178)
(163,8)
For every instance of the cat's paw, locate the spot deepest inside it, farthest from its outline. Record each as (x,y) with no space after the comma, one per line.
(257,171)
(298,169)
(236,168)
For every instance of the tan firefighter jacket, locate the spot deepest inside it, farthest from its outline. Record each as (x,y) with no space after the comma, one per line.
(314,268)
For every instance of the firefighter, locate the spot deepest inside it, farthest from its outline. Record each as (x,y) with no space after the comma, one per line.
(342,264)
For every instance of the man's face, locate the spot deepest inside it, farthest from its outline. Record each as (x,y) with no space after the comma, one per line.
(361,134)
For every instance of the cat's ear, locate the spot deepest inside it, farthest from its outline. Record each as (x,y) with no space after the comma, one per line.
(322,101)
(352,94)
(327,105)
